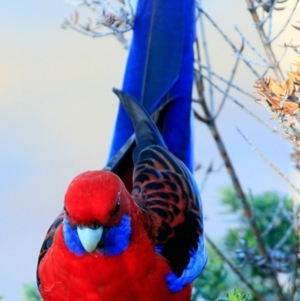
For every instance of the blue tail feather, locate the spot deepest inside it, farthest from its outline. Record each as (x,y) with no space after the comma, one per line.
(159,72)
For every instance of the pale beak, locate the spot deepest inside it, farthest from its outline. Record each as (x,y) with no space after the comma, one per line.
(89,238)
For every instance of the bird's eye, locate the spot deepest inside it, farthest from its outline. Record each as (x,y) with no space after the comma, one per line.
(94,226)
(117,208)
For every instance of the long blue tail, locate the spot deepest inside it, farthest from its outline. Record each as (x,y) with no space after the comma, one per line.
(159,73)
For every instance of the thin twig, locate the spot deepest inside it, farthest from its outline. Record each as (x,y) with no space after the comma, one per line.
(233,72)
(272,129)
(262,35)
(255,149)
(284,237)
(253,62)
(200,83)
(207,59)
(263,21)
(84,30)
(226,38)
(208,171)
(274,218)
(251,45)
(228,82)
(285,24)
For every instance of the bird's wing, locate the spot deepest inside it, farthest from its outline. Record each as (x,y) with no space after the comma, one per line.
(168,197)
(48,240)
(167,194)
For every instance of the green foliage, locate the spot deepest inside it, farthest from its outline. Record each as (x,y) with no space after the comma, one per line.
(30,293)
(236,295)
(264,208)
(274,218)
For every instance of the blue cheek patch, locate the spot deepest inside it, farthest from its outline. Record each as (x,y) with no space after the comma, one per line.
(196,265)
(116,239)
(72,240)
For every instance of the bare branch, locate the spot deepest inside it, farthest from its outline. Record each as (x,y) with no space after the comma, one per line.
(272,129)
(285,24)
(230,81)
(286,179)
(251,46)
(262,35)
(275,217)
(207,58)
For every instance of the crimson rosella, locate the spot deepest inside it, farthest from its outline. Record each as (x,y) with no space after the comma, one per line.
(109,244)
(133,231)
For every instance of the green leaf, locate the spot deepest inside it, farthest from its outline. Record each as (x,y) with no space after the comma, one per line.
(236,295)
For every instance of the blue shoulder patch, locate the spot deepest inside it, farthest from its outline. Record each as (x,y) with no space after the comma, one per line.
(72,240)
(116,239)
(197,263)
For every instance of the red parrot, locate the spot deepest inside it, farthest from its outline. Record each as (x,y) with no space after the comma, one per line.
(134,230)
(112,243)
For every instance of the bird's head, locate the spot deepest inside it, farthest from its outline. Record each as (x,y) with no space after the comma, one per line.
(95,202)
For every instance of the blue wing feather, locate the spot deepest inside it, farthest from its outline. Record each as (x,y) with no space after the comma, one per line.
(198,259)
(159,71)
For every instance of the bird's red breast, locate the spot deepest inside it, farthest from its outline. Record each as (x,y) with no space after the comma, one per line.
(96,277)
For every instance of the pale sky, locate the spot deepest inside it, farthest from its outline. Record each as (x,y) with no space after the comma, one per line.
(56,118)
